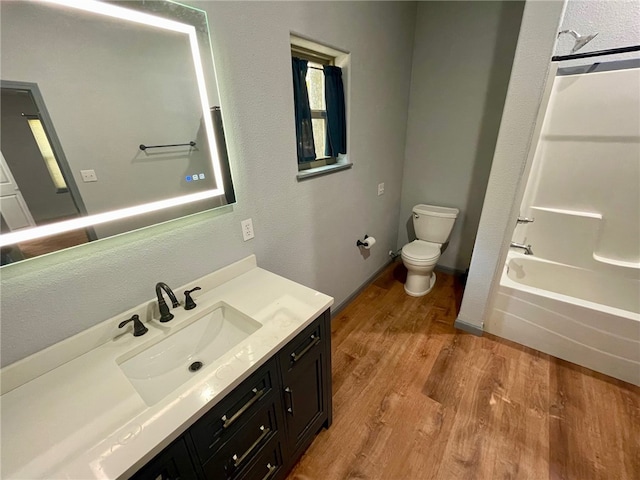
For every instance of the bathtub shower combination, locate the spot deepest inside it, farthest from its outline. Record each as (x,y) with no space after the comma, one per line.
(577,297)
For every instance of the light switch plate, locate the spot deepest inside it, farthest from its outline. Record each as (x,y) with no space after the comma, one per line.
(89,175)
(247,229)
(380,189)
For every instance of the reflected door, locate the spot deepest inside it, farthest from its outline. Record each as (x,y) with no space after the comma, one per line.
(14,209)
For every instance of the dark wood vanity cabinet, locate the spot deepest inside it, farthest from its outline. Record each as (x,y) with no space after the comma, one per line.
(260,430)
(172,464)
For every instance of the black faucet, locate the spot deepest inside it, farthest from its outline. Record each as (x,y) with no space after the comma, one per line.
(165,315)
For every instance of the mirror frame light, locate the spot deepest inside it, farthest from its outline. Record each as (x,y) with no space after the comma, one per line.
(114,11)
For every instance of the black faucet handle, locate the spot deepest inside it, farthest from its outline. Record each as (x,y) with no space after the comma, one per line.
(138,327)
(188,301)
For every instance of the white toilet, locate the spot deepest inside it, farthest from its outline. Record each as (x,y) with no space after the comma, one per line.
(433,226)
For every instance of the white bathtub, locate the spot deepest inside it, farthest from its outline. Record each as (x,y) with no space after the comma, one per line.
(586,317)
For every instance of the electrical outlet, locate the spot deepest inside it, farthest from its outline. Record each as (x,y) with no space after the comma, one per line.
(380,189)
(89,176)
(247,229)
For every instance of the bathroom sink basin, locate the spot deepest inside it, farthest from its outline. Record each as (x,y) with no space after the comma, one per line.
(161,368)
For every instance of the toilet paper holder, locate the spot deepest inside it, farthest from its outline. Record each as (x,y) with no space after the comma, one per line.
(366,243)
(360,243)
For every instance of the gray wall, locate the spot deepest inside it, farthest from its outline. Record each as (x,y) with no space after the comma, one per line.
(462,59)
(305,231)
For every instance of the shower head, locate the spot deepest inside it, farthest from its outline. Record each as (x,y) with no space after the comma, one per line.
(581,40)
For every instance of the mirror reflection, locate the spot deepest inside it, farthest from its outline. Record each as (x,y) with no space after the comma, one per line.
(108,124)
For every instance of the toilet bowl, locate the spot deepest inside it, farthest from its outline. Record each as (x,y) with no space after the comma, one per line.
(432,225)
(420,258)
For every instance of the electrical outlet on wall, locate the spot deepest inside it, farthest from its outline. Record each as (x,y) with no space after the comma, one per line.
(247,229)
(380,189)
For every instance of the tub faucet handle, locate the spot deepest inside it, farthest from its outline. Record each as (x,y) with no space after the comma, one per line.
(526,248)
(525,220)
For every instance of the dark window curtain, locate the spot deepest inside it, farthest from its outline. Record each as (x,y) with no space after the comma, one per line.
(304,130)
(336,141)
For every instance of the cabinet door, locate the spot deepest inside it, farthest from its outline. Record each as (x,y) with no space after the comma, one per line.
(303,401)
(303,364)
(173,463)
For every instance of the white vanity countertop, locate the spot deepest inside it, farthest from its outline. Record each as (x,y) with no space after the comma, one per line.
(84,419)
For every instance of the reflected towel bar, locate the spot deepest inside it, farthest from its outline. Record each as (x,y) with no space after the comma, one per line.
(143,147)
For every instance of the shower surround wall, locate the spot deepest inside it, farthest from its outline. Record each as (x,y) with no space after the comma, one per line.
(584,188)
(577,297)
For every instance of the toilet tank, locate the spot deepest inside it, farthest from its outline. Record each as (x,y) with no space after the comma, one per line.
(433,224)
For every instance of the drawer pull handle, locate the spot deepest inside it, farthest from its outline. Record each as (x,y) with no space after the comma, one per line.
(227,422)
(237,461)
(314,341)
(289,392)
(272,468)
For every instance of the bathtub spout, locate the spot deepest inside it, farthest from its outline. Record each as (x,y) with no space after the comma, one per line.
(526,248)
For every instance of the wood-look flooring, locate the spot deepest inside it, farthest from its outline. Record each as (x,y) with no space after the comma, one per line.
(53,243)
(415,398)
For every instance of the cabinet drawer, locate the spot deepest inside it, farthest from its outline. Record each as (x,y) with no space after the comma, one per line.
(241,449)
(268,464)
(223,420)
(307,344)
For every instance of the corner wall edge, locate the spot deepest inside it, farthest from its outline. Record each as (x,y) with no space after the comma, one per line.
(469,327)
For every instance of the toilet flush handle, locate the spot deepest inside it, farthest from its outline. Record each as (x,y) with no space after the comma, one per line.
(415,215)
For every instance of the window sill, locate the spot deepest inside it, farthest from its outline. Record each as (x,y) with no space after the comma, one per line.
(324,170)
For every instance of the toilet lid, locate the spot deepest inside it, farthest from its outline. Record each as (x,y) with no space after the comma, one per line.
(421,251)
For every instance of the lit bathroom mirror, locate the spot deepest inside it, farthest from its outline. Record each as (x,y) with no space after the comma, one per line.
(111,121)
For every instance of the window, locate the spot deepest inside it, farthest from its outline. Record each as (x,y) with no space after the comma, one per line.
(317,103)
(320,136)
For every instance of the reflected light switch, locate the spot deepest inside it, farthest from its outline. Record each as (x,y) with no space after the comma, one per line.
(88,175)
